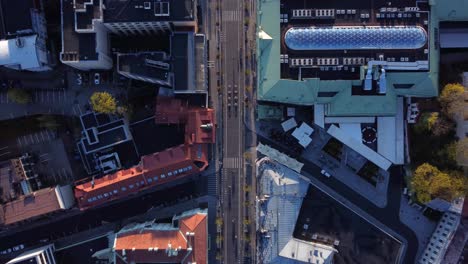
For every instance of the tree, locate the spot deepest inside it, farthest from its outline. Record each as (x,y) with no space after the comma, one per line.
(434,122)
(103,102)
(19,96)
(462,152)
(451,98)
(429,182)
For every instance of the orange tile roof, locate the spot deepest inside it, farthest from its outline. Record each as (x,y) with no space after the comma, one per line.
(140,245)
(38,203)
(154,169)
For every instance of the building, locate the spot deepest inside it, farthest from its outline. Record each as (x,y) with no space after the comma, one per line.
(85,40)
(278,206)
(199,122)
(184,240)
(440,239)
(353,76)
(37,204)
(152,67)
(86,26)
(23,36)
(106,144)
(153,170)
(42,255)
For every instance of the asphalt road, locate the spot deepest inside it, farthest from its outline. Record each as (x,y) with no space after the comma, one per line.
(389,216)
(232,89)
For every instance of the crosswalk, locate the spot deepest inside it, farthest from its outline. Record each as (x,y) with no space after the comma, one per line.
(210,64)
(231,163)
(232,15)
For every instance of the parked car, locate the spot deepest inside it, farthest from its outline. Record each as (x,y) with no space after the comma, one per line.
(79,79)
(325,173)
(18,247)
(97,78)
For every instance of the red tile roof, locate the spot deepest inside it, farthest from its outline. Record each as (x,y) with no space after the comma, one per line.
(153,170)
(140,245)
(38,203)
(199,122)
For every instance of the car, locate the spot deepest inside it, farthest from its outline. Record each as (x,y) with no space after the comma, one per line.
(79,79)
(325,173)
(97,78)
(18,247)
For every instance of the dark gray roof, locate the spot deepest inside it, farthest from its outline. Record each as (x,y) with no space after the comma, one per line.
(84,20)
(134,10)
(82,45)
(15,16)
(145,64)
(182,59)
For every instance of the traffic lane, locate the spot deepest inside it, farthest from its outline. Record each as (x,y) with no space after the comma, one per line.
(389,216)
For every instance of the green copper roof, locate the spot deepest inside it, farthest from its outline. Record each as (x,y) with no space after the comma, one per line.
(272,88)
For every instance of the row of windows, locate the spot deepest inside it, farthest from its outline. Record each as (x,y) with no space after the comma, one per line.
(138,184)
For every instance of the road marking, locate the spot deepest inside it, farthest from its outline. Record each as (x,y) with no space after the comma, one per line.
(37,137)
(4,148)
(6,153)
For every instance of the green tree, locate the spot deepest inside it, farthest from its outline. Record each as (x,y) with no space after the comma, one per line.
(103,102)
(429,182)
(19,96)
(451,98)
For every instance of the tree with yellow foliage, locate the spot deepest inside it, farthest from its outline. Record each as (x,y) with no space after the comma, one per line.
(429,182)
(451,98)
(103,102)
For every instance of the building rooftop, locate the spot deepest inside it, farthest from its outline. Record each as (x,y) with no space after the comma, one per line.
(199,122)
(39,203)
(144,10)
(20,52)
(15,17)
(185,240)
(76,46)
(153,170)
(334,88)
(154,66)
(182,54)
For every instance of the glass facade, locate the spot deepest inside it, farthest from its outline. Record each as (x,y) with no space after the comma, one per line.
(355,38)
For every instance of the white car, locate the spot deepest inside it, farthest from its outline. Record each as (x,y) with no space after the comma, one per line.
(325,173)
(79,79)
(97,78)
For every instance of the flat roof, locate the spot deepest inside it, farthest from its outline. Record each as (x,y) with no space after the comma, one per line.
(20,51)
(80,45)
(182,53)
(148,65)
(360,148)
(146,10)
(15,16)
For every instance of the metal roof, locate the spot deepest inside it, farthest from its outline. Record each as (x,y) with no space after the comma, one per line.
(355,38)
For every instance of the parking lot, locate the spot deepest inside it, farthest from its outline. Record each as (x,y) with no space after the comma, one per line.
(42,136)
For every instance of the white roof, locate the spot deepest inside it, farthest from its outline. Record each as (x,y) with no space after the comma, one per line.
(24,55)
(360,148)
(353,130)
(349,119)
(306,129)
(308,252)
(291,111)
(390,136)
(280,157)
(305,141)
(289,124)
(319,115)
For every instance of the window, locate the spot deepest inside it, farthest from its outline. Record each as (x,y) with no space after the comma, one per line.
(106,195)
(116,191)
(123,189)
(168,174)
(131,186)
(150,180)
(142,182)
